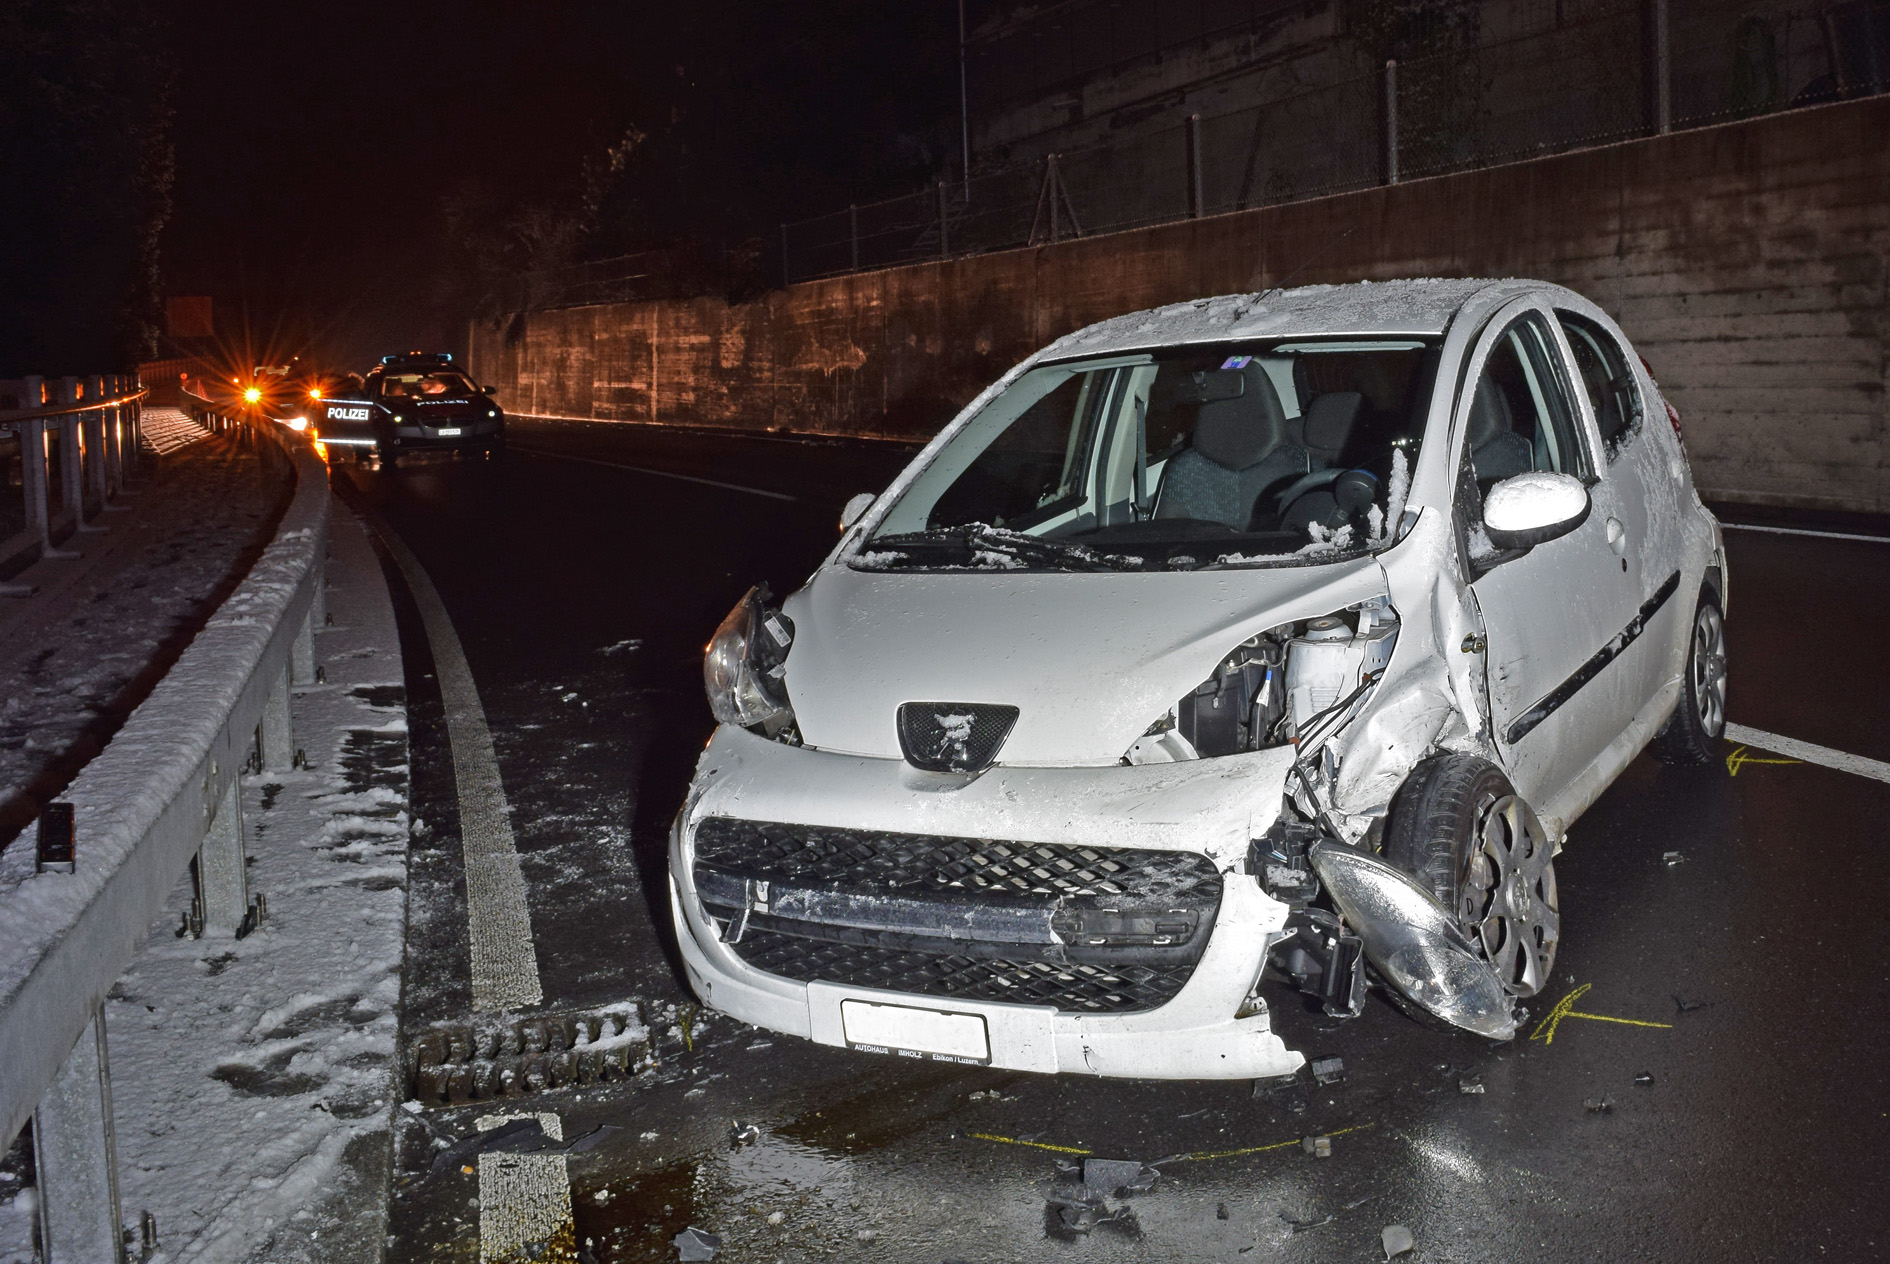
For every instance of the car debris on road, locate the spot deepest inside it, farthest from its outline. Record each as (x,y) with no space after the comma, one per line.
(1397,1240)
(693,1245)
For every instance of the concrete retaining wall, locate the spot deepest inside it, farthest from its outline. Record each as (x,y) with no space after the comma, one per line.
(1750,263)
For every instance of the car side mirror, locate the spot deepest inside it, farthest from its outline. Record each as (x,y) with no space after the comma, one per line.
(1530,509)
(489,390)
(855,508)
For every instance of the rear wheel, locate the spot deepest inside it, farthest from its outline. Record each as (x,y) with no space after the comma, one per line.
(1692,734)
(1460,828)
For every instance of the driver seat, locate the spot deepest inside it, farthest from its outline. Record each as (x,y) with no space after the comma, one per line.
(1496,450)
(1240,451)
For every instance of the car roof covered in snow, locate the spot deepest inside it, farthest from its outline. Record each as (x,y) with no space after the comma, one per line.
(1366,307)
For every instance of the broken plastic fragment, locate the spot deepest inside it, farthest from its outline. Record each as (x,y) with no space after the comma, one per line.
(1414,941)
(1111,1178)
(1672,858)
(1328,1070)
(1599,1105)
(1469,1086)
(1397,1240)
(1318,1147)
(1645,1079)
(693,1245)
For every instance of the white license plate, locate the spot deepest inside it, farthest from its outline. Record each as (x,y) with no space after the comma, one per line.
(448,431)
(348,414)
(916,1033)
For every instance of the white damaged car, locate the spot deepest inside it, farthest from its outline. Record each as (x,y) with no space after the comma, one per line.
(1252,644)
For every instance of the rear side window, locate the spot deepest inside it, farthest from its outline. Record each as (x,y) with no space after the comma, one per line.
(1607,380)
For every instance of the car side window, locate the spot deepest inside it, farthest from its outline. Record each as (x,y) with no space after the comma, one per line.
(1607,379)
(1521,417)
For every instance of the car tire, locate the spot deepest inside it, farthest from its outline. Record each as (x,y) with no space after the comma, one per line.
(1463,832)
(1692,733)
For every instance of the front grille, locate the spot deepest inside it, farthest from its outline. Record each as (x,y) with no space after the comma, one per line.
(876,861)
(953,736)
(1072,987)
(1086,929)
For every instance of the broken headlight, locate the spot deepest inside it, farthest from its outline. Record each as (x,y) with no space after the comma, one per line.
(1411,940)
(1272,686)
(745,666)
(1236,709)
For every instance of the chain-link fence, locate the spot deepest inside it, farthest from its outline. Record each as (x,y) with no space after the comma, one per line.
(1632,70)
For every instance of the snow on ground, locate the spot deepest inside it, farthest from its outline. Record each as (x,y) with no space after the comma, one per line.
(166,430)
(64,661)
(253,1080)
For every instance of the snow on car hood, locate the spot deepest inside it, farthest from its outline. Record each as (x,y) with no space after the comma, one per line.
(1089,660)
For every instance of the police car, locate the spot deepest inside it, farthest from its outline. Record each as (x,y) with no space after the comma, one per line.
(416,402)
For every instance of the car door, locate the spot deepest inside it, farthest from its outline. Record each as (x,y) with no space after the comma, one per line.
(1636,477)
(1552,614)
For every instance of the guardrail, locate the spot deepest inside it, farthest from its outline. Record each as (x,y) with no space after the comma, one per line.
(70,442)
(165,791)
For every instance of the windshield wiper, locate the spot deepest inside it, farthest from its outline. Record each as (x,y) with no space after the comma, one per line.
(987,547)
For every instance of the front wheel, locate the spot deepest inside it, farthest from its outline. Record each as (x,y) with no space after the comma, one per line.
(1461,829)
(1692,734)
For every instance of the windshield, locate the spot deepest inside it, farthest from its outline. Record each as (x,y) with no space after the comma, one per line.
(1277,453)
(425,385)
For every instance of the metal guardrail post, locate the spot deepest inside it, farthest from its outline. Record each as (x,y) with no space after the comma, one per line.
(93,443)
(71,480)
(76,1156)
(1391,121)
(33,467)
(302,654)
(1196,200)
(278,736)
(222,870)
(1663,53)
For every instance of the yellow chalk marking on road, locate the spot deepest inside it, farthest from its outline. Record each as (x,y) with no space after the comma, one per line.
(1277,1145)
(1565,1008)
(1018,1141)
(1190,1157)
(1739,759)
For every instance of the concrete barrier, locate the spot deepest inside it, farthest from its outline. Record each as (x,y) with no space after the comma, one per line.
(1747,261)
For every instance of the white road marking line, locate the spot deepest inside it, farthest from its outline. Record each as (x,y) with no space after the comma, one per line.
(638,469)
(524,1199)
(1822,535)
(499,924)
(1795,749)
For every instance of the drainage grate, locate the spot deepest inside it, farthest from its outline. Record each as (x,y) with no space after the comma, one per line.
(487,1059)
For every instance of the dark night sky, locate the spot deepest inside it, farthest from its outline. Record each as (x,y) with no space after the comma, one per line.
(317,143)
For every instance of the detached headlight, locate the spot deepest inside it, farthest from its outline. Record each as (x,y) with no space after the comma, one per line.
(746,663)
(1413,941)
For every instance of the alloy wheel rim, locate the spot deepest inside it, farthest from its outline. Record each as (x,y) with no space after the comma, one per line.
(1709,670)
(1509,907)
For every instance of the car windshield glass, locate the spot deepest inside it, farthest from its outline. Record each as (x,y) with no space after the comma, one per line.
(1277,453)
(424,385)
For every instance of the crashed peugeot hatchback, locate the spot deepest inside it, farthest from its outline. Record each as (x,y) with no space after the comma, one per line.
(1255,650)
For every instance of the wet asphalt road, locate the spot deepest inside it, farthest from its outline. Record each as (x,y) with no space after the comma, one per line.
(1755,971)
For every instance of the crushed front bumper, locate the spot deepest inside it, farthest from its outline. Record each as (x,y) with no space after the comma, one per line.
(1207,808)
